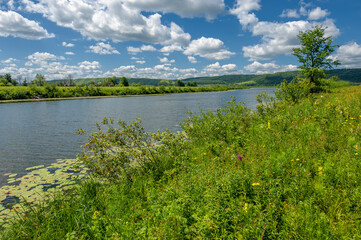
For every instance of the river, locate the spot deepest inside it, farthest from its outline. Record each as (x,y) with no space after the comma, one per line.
(35,133)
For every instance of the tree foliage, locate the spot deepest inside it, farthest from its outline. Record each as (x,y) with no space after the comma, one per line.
(124,82)
(179,83)
(314,54)
(7,80)
(39,80)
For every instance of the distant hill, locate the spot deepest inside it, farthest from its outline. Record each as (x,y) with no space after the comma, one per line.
(351,75)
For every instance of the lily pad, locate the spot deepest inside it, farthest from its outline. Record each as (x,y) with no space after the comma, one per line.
(33,168)
(40,183)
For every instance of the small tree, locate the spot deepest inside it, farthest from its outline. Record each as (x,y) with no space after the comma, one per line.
(39,80)
(164,82)
(192,84)
(124,82)
(179,83)
(314,54)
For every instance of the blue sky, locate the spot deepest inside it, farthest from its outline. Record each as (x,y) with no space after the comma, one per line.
(167,38)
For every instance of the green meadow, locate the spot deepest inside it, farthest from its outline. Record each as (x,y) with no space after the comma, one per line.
(288,170)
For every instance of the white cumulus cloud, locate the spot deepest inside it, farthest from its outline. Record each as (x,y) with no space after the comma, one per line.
(280,38)
(192,59)
(166,60)
(166,50)
(349,55)
(107,19)
(65,44)
(53,67)
(103,49)
(158,71)
(13,24)
(148,48)
(317,13)
(216,69)
(290,13)
(185,8)
(271,67)
(135,50)
(209,48)
(243,11)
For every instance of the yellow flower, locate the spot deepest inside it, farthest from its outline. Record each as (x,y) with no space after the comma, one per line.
(14,209)
(96,213)
(269,125)
(356,154)
(246,206)
(204,153)
(255,184)
(320,170)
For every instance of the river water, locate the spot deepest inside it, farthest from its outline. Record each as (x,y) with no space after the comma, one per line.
(35,133)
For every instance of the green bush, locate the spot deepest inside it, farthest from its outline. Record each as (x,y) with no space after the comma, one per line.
(295,90)
(120,153)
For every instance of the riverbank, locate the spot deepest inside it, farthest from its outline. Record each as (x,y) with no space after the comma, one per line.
(286,171)
(52,93)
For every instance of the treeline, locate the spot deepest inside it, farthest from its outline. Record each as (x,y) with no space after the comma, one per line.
(350,75)
(39,80)
(7,80)
(52,91)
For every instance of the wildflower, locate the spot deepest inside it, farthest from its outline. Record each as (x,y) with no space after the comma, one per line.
(96,213)
(245,206)
(269,125)
(14,209)
(297,159)
(239,157)
(356,154)
(204,153)
(320,170)
(255,184)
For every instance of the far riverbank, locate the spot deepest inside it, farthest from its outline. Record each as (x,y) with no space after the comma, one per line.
(52,93)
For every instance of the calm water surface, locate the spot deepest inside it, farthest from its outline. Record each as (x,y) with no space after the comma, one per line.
(35,133)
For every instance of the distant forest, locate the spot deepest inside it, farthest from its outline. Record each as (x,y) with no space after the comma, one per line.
(350,75)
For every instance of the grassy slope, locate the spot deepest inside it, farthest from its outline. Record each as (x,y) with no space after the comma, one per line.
(298,178)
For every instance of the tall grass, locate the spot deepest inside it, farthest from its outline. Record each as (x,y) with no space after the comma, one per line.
(287,171)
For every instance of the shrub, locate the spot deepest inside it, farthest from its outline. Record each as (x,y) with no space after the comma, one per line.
(295,90)
(118,153)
